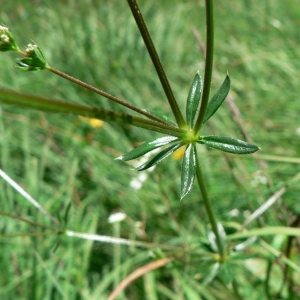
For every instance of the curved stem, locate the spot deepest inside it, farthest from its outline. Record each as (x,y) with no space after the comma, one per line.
(106,95)
(209,211)
(208,63)
(156,61)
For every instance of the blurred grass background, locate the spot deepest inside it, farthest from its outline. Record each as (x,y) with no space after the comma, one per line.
(62,160)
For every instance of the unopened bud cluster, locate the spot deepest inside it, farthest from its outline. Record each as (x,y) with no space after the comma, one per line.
(7,41)
(34,59)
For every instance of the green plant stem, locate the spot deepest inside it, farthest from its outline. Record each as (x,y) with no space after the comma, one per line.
(106,95)
(208,63)
(56,106)
(156,62)
(209,211)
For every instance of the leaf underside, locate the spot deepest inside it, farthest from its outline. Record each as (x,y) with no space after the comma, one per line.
(188,171)
(193,100)
(228,144)
(147,147)
(159,157)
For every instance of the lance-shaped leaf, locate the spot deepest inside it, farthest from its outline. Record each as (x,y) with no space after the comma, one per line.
(147,147)
(188,170)
(159,157)
(217,99)
(228,144)
(193,100)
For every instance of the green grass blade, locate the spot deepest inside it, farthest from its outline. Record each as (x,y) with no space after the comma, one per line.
(273,230)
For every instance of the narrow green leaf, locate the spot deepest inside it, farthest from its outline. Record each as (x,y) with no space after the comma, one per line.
(228,144)
(147,147)
(242,255)
(212,274)
(159,157)
(242,246)
(226,272)
(217,99)
(188,170)
(193,100)
(275,230)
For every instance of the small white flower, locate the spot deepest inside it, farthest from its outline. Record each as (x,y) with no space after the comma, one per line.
(234,213)
(4,39)
(29,49)
(3,29)
(259,179)
(135,184)
(116,217)
(275,23)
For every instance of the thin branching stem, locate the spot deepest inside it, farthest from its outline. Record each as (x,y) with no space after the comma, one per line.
(209,211)
(208,63)
(156,62)
(106,95)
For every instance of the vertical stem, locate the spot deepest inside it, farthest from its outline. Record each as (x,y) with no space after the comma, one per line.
(208,63)
(209,211)
(156,61)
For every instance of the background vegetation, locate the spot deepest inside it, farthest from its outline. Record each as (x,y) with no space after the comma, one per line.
(64,161)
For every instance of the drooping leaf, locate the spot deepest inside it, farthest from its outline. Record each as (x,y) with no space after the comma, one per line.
(217,99)
(228,144)
(147,147)
(159,157)
(193,100)
(188,170)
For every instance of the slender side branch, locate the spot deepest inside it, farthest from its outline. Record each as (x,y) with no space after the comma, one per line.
(208,63)
(209,210)
(106,95)
(56,106)
(156,62)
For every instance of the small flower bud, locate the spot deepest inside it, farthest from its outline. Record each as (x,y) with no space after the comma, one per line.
(7,41)
(34,59)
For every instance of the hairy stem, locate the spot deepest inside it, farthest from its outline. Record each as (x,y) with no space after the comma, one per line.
(156,61)
(56,106)
(106,95)
(209,211)
(208,63)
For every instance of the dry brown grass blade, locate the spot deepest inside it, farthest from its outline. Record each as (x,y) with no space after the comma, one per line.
(138,273)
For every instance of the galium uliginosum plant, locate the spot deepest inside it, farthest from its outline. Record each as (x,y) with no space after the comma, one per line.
(186,131)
